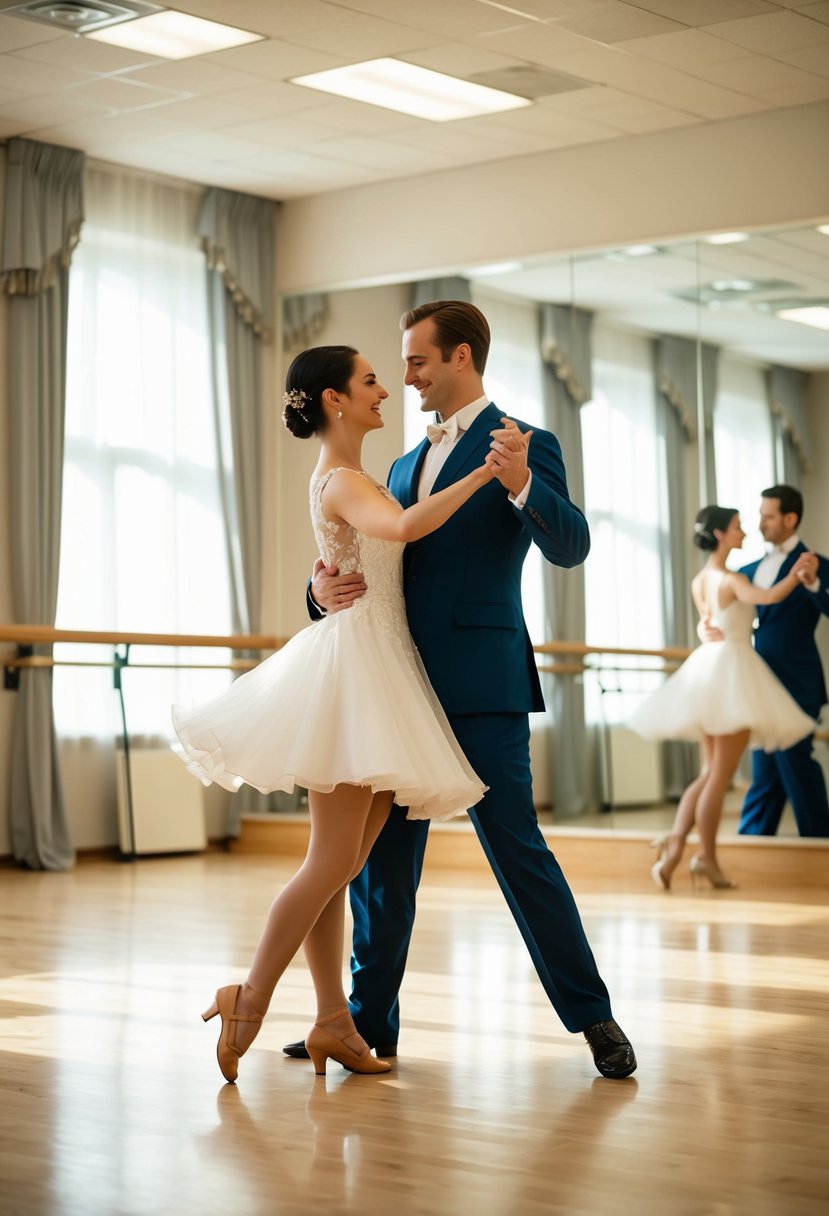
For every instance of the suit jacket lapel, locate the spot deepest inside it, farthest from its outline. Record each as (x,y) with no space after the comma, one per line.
(469,451)
(406,487)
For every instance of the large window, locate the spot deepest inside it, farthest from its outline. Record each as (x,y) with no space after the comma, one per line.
(142,545)
(621,477)
(743,446)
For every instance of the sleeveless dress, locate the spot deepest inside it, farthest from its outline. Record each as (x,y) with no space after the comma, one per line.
(347,700)
(724,687)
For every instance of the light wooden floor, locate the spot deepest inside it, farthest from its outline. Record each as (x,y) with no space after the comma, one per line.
(111,1101)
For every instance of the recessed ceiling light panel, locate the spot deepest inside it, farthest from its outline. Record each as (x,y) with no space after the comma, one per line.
(400,86)
(172,35)
(725,238)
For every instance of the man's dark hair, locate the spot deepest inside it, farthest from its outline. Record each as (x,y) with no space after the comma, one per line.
(791,500)
(456,322)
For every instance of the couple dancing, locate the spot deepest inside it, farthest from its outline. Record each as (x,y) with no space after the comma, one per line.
(376,721)
(728,694)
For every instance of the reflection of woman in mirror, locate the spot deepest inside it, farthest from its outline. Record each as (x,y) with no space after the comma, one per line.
(723,695)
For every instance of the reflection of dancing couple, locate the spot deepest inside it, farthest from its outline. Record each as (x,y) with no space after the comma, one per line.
(726,695)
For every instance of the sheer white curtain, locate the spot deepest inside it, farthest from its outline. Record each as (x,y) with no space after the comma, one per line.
(624,509)
(142,546)
(743,447)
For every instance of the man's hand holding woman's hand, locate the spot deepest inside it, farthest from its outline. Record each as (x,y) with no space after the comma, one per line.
(806,568)
(332,591)
(507,456)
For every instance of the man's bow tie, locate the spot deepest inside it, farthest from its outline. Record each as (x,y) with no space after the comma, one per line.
(437,431)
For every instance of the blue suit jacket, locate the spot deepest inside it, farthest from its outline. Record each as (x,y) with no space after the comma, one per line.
(463,581)
(785,635)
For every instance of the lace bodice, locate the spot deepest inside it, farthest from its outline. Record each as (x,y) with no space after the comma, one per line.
(736,620)
(379,561)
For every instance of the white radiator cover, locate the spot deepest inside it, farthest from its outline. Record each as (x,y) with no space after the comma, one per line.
(631,768)
(168,804)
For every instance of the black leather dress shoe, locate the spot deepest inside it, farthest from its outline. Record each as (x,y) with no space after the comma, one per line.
(612,1050)
(298,1051)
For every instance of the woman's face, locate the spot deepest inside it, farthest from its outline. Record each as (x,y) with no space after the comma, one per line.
(365,395)
(733,536)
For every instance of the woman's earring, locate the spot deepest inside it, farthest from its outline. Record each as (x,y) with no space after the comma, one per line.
(339,413)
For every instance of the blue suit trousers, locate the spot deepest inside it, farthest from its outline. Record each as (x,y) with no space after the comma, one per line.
(383,895)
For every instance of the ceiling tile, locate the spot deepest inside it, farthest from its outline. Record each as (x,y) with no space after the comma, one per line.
(86,55)
(211,145)
(623,112)
(207,112)
(37,112)
(705,12)
(813,59)
(200,75)
(684,50)
(616,22)
(274,18)
(460,19)
(364,38)
(374,153)
(277,98)
(562,129)
(817,12)
(665,85)
(275,60)
(15,33)
(116,93)
(359,118)
(456,59)
(799,95)
(27,77)
(756,75)
(772,32)
(545,44)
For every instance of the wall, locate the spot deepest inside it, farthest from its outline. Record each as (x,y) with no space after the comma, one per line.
(816,486)
(760,171)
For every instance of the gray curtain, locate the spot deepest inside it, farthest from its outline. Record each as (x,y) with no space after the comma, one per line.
(676,426)
(787,402)
(453,287)
(43,216)
(709,362)
(564,335)
(237,234)
(302,319)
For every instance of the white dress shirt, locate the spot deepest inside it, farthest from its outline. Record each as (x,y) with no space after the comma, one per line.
(769,568)
(436,457)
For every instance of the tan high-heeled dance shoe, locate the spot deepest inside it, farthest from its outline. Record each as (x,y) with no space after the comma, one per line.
(323,1045)
(662,880)
(700,869)
(227,1053)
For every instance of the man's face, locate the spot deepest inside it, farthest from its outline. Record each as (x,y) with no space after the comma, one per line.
(436,381)
(774,525)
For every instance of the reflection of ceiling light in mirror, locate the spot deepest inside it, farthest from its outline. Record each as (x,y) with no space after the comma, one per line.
(493,268)
(725,238)
(172,35)
(734,285)
(400,86)
(824,228)
(816,314)
(633,251)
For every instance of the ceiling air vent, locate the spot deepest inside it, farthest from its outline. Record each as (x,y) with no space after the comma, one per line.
(529,81)
(76,18)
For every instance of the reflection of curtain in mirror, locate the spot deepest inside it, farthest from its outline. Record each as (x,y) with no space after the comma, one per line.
(142,547)
(623,581)
(743,445)
(567,383)
(677,425)
(787,403)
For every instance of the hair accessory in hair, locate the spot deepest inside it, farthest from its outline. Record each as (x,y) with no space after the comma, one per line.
(296,398)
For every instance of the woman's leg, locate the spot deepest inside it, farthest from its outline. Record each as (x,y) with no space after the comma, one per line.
(324,943)
(726,752)
(338,825)
(674,845)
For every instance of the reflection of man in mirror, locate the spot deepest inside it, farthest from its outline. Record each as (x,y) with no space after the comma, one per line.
(785,638)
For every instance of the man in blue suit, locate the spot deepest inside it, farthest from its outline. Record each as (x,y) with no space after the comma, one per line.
(785,638)
(463,598)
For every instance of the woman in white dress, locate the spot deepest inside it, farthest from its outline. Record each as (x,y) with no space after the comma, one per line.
(722,696)
(344,710)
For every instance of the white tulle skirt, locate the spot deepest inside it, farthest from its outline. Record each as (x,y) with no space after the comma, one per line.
(344,701)
(723,688)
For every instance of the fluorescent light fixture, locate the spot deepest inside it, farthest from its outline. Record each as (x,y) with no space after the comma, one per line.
(816,315)
(171,35)
(725,238)
(396,85)
(734,285)
(824,228)
(481,272)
